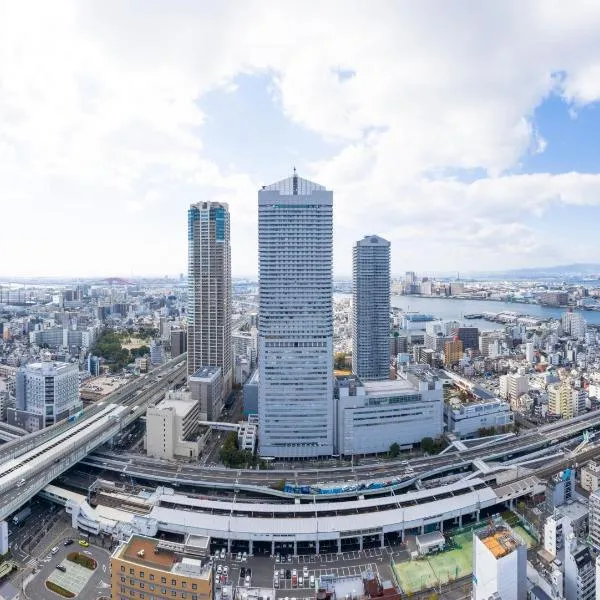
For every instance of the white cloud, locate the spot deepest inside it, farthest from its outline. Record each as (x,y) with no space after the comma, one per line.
(100,123)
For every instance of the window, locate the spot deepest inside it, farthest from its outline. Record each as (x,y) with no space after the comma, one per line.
(122,568)
(184,584)
(142,574)
(174,593)
(163,580)
(194,586)
(131,571)
(173,582)
(122,579)
(151,576)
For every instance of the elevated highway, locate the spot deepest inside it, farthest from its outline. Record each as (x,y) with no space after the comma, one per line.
(346,481)
(30,463)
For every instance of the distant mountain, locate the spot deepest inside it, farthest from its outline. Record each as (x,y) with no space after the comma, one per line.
(569,271)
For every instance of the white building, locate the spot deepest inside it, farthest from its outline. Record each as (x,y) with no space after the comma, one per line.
(46,393)
(466,419)
(172,427)
(590,473)
(499,564)
(373,415)
(371,308)
(594,526)
(574,324)
(295,319)
(247,436)
(512,386)
(529,352)
(580,572)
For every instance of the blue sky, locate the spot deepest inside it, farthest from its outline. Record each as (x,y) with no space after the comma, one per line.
(467,138)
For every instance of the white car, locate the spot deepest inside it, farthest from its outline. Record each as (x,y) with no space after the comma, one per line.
(305,572)
(277,558)
(223,554)
(239,556)
(225,570)
(244,557)
(300,581)
(312,581)
(219,569)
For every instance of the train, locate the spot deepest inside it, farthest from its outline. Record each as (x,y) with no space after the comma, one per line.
(357,487)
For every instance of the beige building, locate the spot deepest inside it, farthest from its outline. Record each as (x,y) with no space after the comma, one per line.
(562,401)
(512,386)
(146,568)
(172,427)
(453,352)
(590,473)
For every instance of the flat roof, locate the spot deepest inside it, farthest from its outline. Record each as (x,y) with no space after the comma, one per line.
(205,372)
(499,540)
(161,559)
(432,538)
(388,386)
(180,405)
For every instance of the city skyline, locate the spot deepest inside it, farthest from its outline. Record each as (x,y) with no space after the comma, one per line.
(439,129)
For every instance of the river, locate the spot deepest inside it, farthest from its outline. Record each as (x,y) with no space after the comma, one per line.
(448,308)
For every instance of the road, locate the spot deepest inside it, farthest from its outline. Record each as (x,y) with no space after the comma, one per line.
(177,473)
(49,457)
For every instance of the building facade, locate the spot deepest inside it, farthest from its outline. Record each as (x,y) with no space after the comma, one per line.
(46,393)
(373,415)
(209,290)
(295,320)
(371,308)
(499,564)
(144,567)
(206,389)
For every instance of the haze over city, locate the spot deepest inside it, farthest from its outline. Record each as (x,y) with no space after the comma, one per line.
(465,136)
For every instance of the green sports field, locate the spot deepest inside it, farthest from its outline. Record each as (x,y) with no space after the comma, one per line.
(427,572)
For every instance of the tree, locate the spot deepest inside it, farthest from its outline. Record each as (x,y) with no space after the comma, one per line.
(394,450)
(428,445)
(339,360)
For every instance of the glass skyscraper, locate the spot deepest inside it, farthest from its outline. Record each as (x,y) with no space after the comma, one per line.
(371,308)
(209,290)
(295,320)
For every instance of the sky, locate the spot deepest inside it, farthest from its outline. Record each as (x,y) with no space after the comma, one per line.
(464,132)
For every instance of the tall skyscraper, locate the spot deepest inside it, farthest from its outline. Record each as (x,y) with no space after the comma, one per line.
(295,319)
(371,308)
(209,290)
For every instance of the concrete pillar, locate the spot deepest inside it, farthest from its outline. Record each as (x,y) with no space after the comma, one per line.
(422,529)
(402,536)
(228,545)
(273,548)
(477,515)
(360,542)
(339,545)
(442,526)
(317,547)
(250,548)
(295,548)
(382,539)
(460,520)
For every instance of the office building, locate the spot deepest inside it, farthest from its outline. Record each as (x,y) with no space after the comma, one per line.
(144,567)
(590,474)
(453,352)
(580,572)
(499,563)
(172,427)
(371,308)
(466,419)
(157,353)
(295,320)
(553,298)
(373,415)
(574,324)
(206,387)
(46,393)
(178,342)
(469,336)
(563,400)
(209,291)
(512,386)
(594,507)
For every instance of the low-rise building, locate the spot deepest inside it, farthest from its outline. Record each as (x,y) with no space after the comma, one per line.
(151,568)
(464,420)
(590,474)
(172,427)
(373,415)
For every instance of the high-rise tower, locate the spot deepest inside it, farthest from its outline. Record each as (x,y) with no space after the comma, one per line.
(209,290)
(295,321)
(371,308)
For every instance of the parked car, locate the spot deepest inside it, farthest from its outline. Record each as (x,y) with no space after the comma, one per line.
(68,542)
(61,568)
(219,569)
(54,550)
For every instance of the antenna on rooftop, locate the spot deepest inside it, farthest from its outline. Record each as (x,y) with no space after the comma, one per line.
(295,183)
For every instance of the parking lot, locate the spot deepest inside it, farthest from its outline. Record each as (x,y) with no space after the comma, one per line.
(263,568)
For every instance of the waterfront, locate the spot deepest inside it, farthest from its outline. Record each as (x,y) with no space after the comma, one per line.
(449,308)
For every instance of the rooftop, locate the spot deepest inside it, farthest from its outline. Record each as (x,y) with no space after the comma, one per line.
(205,372)
(388,386)
(499,540)
(152,553)
(179,402)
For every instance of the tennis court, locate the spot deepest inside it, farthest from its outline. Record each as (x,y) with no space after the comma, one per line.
(525,536)
(428,572)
